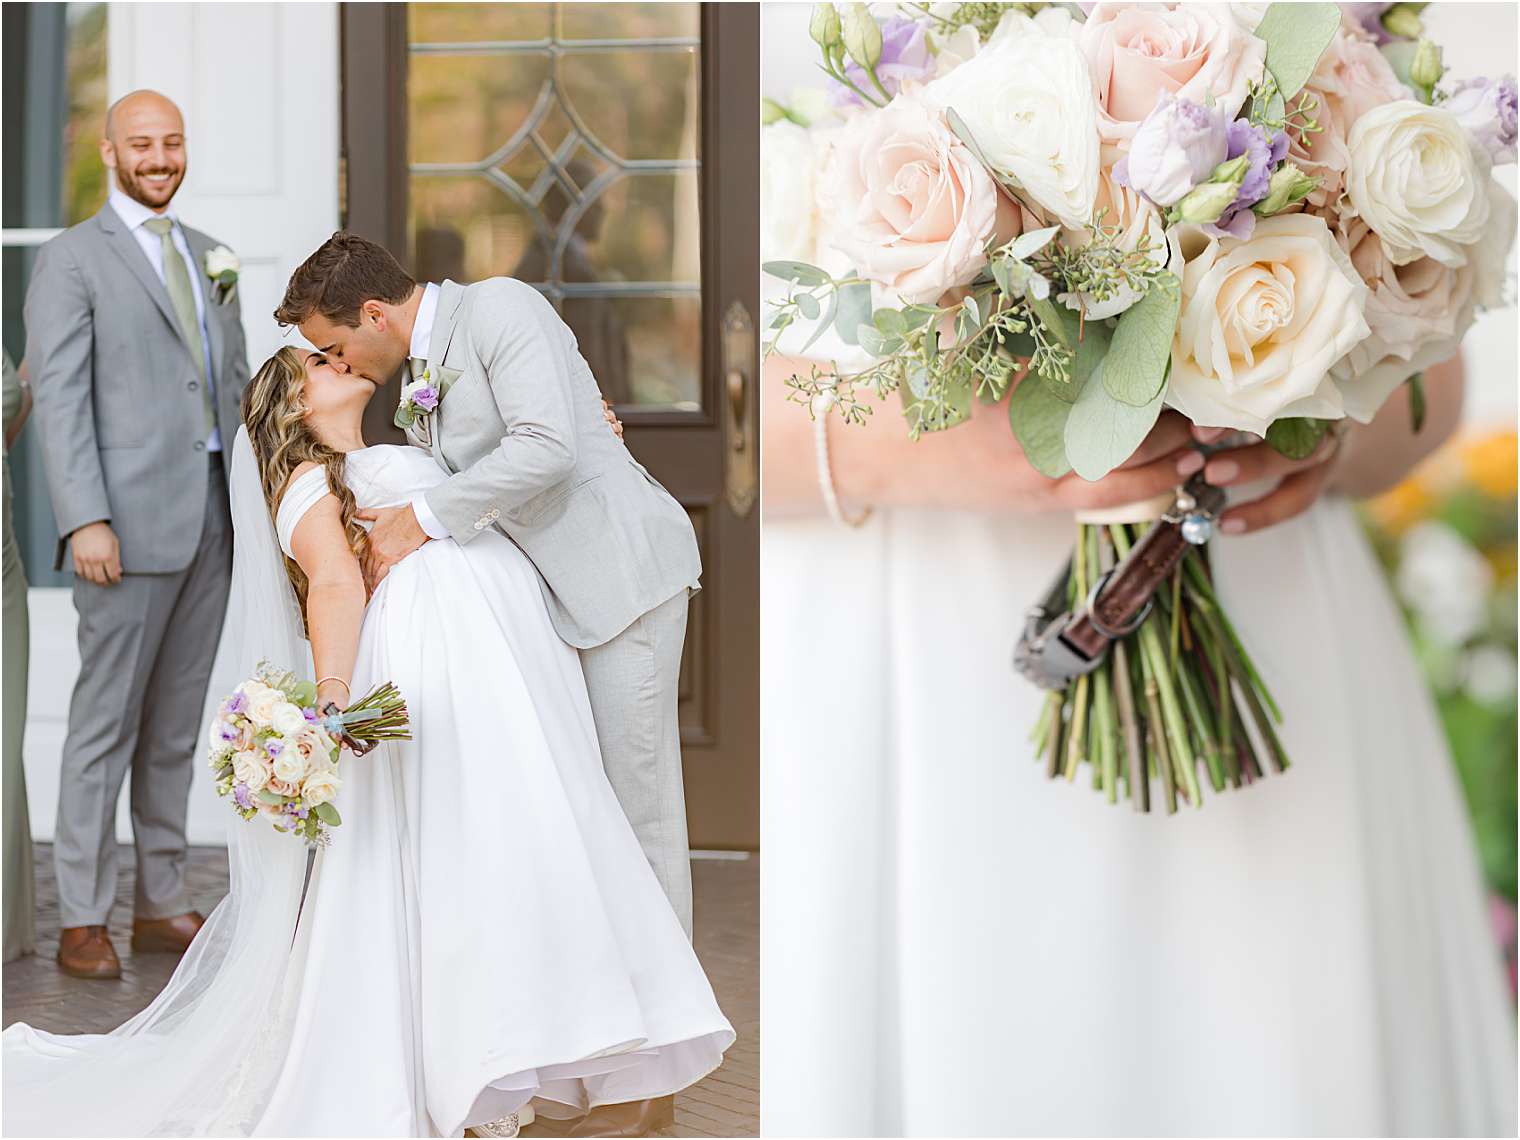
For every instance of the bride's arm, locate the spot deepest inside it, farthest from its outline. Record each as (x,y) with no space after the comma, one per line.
(335,596)
(976,466)
(1381,453)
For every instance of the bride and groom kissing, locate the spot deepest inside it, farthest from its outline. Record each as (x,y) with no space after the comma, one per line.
(504,916)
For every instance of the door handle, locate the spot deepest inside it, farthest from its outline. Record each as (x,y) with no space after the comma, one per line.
(741,466)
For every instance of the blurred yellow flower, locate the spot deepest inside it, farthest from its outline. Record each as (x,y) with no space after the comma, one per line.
(1490,461)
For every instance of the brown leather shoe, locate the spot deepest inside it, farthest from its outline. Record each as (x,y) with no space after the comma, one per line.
(635,1118)
(86,952)
(166,935)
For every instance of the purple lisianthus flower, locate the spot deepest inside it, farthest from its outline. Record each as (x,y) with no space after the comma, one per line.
(1263,151)
(426,397)
(272,747)
(226,732)
(905,55)
(1176,147)
(241,796)
(310,715)
(236,703)
(1486,107)
(1370,18)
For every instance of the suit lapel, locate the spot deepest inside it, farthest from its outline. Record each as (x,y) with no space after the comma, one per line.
(121,240)
(200,245)
(445,321)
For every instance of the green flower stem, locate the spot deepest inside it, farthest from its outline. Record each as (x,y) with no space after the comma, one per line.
(1206,591)
(1076,739)
(1105,731)
(1124,698)
(1203,729)
(1157,736)
(1053,739)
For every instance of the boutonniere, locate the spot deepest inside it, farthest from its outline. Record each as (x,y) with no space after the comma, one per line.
(421,397)
(223,267)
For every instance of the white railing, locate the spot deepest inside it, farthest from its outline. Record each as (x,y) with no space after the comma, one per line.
(28,237)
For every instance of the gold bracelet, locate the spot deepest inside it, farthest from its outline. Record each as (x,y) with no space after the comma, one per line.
(340,681)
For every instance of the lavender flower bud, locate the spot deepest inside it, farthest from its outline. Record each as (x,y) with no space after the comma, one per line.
(1208,200)
(862,36)
(1289,185)
(824,26)
(1403,20)
(1174,150)
(1425,69)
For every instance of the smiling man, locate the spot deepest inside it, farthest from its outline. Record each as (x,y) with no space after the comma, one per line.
(138,363)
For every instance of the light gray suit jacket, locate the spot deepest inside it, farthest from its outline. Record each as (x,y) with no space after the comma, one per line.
(118,405)
(521,427)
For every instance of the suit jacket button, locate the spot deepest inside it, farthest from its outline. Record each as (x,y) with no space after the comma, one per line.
(479,525)
(495,514)
(200,445)
(192,386)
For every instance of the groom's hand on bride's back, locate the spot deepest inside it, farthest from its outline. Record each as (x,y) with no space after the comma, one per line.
(395,534)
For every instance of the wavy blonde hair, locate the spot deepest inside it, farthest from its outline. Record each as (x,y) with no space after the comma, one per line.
(282,440)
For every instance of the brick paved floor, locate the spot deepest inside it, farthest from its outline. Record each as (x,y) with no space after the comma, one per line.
(727,940)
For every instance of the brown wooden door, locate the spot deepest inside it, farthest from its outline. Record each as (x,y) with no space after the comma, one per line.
(608,154)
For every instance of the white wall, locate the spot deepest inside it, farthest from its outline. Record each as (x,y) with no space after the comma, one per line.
(259,86)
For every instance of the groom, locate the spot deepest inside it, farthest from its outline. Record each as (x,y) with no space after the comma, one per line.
(503,400)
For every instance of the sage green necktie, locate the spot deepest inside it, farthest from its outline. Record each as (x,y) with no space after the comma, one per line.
(182,297)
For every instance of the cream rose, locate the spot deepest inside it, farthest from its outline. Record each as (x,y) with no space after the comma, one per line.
(262,701)
(284,787)
(289,764)
(1262,323)
(1420,311)
(248,767)
(1351,78)
(316,746)
(1136,53)
(1135,223)
(1418,181)
(321,786)
(788,198)
(1027,100)
(907,202)
(288,720)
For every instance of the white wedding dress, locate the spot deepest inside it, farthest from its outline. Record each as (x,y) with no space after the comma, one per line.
(483,930)
(955,945)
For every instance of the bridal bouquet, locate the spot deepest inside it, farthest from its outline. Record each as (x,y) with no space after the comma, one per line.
(1266,217)
(276,754)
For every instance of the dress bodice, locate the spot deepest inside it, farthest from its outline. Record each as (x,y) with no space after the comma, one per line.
(379,476)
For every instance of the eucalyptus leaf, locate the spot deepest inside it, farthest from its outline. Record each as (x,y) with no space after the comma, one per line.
(969,305)
(798,271)
(854,310)
(823,325)
(1030,243)
(268,797)
(1061,327)
(918,380)
(1093,349)
(868,338)
(807,305)
(1296,437)
(1142,344)
(919,315)
(1296,36)
(1038,417)
(328,815)
(889,322)
(1101,431)
(1002,274)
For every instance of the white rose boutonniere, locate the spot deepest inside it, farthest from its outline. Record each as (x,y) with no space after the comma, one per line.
(223,267)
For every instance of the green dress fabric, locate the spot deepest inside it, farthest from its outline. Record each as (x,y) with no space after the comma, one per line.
(19,888)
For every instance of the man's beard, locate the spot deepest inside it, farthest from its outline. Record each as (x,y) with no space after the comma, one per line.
(150,194)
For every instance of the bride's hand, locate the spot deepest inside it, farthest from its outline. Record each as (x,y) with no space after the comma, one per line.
(396,534)
(611,417)
(1299,482)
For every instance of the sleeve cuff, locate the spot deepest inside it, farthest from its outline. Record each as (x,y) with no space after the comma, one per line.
(426,519)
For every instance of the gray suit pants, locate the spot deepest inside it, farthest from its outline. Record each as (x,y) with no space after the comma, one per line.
(632,682)
(146,647)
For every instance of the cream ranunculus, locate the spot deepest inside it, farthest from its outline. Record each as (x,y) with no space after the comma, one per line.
(1198,52)
(1027,99)
(1420,311)
(1418,181)
(248,767)
(1135,223)
(321,786)
(907,202)
(1262,323)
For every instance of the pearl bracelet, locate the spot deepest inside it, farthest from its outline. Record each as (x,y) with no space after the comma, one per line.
(826,475)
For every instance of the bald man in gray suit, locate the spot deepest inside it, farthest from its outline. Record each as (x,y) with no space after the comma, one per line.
(138,361)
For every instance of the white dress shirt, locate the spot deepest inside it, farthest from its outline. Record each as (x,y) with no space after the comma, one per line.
(422,339)
(133,214)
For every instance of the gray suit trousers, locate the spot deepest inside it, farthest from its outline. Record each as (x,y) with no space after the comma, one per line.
(632,682)
(146,647)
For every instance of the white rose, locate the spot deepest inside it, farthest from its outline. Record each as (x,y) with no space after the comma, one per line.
(1419,182)
(249,768)
(222,260)
(788,184)
(321,786)
(262,701)
(289,763)
(1262,322)
(1027,99)
(288,719)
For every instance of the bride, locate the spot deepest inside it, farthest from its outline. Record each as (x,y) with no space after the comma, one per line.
(401,995)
